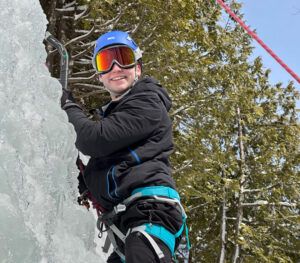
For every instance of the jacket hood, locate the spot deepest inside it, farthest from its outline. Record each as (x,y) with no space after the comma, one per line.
(151,84)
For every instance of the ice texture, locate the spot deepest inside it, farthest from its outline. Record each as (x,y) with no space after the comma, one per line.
(40,220)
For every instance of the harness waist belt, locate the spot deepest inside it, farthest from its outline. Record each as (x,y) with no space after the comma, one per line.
(156,190)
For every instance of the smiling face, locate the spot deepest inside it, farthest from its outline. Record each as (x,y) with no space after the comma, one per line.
(118,80)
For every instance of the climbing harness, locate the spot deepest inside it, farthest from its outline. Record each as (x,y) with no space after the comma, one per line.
(151,194)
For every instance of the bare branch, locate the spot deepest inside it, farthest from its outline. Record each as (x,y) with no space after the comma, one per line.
(70,4)
(83,46)
(141,20)
(84,12)
(109,22)
(231,218)
(136,28)
(261,189)
(84,73)
(264,202)
(81,54)
(81,31)
(89,86)
(92,93)
(82,37)
(188,162)
(197,206)
(75,80)
(83,62)
(182,108)
(71,9)
(86,45)
(67,18)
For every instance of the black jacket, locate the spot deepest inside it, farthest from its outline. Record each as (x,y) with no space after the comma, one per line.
(129,146)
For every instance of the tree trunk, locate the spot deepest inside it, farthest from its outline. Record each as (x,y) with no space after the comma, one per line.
(242,180)
(223,227)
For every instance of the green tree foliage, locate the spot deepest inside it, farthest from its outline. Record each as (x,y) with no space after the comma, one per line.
(236,160)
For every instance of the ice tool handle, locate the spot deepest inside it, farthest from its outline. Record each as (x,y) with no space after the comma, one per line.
(64,59)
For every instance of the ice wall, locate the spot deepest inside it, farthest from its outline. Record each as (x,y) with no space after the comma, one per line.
(39,218)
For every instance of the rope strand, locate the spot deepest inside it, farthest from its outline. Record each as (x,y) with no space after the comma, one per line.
(255,36)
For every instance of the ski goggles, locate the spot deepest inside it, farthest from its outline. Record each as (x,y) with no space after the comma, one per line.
(122,55)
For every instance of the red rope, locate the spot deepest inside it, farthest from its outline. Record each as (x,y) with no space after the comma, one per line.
(253,35)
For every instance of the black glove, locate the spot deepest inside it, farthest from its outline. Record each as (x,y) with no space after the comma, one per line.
(81,184)
(67,100)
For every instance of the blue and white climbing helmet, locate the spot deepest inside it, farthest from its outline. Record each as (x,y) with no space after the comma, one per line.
(115,47)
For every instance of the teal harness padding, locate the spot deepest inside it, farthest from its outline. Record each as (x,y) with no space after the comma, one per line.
(159,231)
(157,190)
(163,234)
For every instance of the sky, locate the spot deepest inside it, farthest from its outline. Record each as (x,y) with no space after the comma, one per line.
(277,23)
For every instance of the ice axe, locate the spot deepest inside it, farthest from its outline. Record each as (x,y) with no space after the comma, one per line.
(63,79)
(64,58)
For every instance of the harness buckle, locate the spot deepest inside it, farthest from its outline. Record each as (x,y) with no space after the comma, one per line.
(120,208)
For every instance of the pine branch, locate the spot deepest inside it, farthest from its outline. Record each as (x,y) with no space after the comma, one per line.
(287,250)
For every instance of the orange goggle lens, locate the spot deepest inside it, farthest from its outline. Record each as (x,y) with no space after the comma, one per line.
(123,55)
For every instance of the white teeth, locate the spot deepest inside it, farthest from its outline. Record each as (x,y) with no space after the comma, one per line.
(118,78)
